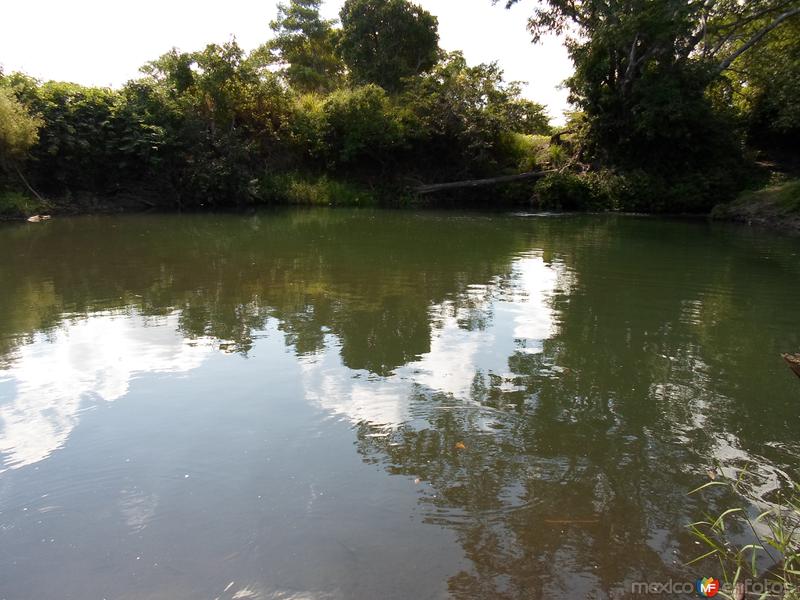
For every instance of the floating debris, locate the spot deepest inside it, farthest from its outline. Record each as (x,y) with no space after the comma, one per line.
(793,360)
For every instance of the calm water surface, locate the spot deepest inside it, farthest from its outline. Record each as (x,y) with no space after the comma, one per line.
(368,405)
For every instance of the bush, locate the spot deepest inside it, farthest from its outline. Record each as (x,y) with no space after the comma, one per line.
(567,191)
(465,119)
(19,130)
(15,204)
(523,151)
(360,125)
(307,125)
(202,127)
(689,192)
(76,139)
(293,188)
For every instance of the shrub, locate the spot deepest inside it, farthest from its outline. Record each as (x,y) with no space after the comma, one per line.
(15,204)
(523,151)
(307,125)
(566,191)
(19,130)
(360,124)
(293,188)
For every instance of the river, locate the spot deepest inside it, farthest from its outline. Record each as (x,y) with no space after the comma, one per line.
(326,404)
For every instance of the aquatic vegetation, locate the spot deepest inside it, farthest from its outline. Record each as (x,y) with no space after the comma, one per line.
(770,562)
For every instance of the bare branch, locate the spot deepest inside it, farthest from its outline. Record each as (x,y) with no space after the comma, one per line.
(631,60)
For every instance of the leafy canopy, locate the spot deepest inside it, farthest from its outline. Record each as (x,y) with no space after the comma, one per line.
(386,41)
(647,74)
(463,112)
(305,46)
(19,130)
(765,86)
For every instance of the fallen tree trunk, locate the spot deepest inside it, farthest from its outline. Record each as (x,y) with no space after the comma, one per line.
(473,183)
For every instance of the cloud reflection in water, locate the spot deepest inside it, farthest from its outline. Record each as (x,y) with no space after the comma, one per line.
(479,338)
(87,360)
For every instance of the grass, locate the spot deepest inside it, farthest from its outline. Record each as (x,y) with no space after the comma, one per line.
(14,205)
(783,198)
(776,538)
(293,188)
(776,205)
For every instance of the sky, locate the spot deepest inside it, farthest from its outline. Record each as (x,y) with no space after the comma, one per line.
(104,42)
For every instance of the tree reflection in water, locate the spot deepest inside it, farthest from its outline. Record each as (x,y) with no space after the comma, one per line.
(592,368)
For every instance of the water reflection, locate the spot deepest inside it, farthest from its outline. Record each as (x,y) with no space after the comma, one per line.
(541,393)
(470,343)
(59,374)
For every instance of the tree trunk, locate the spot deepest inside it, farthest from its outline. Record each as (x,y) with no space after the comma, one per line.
(28,185)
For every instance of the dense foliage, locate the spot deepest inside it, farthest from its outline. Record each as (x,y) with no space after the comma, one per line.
(764,87)
(305,47)
(653,79)
(672,97)
(19,130)
(286,122)
(387,41)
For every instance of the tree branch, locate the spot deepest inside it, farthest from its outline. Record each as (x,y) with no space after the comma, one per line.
(631,60)
(28,185)
(755,39)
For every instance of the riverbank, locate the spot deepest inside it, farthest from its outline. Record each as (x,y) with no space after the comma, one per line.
(17,206)
(776,206)
(286,189)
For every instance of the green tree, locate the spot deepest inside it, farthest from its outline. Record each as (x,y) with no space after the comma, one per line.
(386,41)
(463,114)
(222,115)
(529,117)
(19,132)
(765,86)
(90,139)
(305,45)
(643,72)
(360,125)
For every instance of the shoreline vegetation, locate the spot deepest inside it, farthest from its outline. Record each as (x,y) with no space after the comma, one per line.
(686,111)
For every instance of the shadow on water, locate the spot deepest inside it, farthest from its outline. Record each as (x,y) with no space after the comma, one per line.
(553,387)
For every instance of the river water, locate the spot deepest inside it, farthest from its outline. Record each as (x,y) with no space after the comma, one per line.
(333,404)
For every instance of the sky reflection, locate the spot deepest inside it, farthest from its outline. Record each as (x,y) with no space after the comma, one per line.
(473,339)
(380,405)
(86,361)
(94,359)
